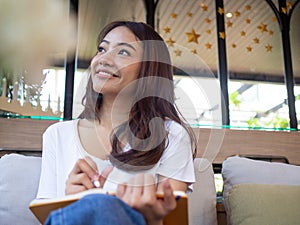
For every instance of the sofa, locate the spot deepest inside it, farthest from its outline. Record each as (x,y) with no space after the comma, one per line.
(255,191)
(19,182)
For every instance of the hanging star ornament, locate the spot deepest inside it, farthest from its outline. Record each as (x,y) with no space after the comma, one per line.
(243,33)
(194,51)
(289,5)
(269,48)
(189,14)
(249,48)
(274,19)
(170,42)
(237,13)
(248,21)
(207,20)
(203,7)
(256,40)
(192,36)
(208,45)
(177,52)
(229,24)
(284,10)
(220,11)
(174,15)
(167,30)
(222,35)
(263,27)
(208,31)
(248,7)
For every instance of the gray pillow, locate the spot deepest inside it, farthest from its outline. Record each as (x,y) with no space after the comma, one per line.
(202,201)
(19,179)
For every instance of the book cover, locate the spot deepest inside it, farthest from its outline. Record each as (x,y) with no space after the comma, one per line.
(41,208)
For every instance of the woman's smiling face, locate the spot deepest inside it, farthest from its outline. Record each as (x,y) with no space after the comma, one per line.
(117,62)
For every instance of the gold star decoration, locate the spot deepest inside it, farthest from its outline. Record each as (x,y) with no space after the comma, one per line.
(194,51)
(229,24)
(203,7)
(177,52)
(207,20)
(263,27)
(208,45)
(243,33)
(248,21)
(248,7)
(268,48)
(189,14)
(220,11)
(222,35)
(192,36)
(271,32)
(237,13)
(208,31)
(167,30)
(174,15)
(284,10)
(249,48)
(289,5)
(256,40)
(274,19)
(170,42)
(233,45)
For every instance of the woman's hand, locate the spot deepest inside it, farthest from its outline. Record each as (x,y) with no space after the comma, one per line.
(83,174)
(140,194)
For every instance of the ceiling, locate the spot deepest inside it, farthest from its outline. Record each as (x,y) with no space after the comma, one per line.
(253,38)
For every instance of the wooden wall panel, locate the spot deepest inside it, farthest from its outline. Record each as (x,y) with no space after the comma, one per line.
(218,144)
(22,134)
(214,144)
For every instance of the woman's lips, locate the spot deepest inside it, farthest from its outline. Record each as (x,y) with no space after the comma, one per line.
(105,74)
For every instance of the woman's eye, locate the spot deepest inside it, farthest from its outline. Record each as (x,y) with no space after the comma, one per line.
(100,49)
(124,52)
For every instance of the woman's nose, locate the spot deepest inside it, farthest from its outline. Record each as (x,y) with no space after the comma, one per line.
(106,59)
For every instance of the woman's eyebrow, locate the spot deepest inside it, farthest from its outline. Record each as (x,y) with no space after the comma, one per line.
(127,44)
(120,44)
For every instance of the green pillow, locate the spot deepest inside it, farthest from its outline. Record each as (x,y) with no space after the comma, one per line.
(264,204)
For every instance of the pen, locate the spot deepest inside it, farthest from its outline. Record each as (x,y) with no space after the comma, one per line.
(96,183)
(178,197)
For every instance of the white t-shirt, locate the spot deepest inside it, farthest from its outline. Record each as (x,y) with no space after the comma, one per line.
(62,148)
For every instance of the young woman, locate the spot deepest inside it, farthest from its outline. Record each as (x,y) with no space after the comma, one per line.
(130,137)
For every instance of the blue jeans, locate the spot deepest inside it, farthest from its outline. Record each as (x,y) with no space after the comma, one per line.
(96,209)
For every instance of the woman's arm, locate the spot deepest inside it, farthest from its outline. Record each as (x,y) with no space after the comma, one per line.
(175,184)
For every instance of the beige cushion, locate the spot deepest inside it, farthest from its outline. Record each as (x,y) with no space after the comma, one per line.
(251,204)
(202,201)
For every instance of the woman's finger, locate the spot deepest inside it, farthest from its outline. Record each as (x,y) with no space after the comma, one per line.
(91,162)
(104,174)
(169,198)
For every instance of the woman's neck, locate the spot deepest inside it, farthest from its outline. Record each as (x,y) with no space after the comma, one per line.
(112,114)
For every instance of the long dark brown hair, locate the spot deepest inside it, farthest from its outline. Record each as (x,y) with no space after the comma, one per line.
(156,63)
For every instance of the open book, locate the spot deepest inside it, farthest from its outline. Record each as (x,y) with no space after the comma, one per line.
(41,208)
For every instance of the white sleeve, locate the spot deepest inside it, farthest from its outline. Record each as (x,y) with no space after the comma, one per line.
(177,160)
(48,181)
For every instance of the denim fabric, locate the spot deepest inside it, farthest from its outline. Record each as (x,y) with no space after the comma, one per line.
(96,209)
